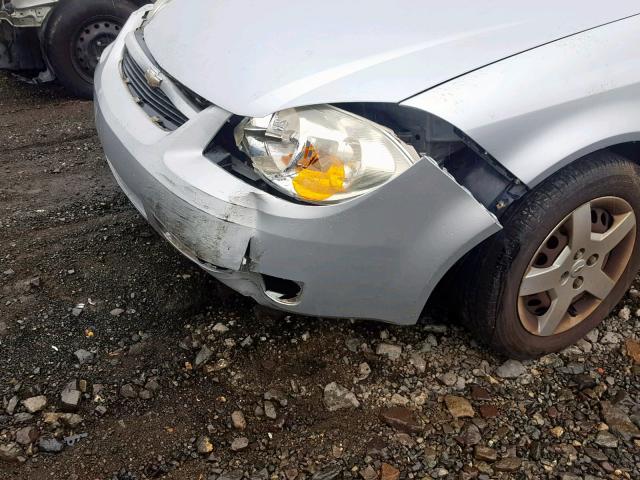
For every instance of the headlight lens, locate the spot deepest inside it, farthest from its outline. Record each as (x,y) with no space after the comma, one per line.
(322,154)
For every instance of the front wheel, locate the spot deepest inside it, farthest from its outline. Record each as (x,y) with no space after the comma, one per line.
(76,34)
(566,256)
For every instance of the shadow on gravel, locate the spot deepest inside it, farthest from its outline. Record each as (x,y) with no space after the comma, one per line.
(32,93)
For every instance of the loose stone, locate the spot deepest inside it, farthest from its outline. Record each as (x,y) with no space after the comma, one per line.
(459,407)
(35,404)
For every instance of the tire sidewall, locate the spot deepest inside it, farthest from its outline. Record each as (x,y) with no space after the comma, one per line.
(62,28)
(508,330)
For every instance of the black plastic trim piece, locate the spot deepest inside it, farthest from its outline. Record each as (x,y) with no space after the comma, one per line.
(508,188)
(493,185)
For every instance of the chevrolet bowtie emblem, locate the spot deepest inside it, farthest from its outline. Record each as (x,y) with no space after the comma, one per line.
(153,78)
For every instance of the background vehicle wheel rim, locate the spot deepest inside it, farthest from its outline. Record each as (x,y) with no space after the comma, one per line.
(577,266)
(90,42)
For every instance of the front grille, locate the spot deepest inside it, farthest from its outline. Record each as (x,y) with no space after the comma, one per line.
(152,100)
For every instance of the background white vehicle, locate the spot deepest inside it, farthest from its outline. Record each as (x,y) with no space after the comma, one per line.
(47,39)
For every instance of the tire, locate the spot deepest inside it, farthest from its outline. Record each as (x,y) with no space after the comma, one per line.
(75,34)
(491,301)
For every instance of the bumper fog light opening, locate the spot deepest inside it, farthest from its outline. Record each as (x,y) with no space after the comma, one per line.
(285,292)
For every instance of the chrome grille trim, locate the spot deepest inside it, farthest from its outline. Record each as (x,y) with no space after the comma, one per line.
(153,101)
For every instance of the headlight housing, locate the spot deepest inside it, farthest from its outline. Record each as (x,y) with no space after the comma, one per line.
(323,154)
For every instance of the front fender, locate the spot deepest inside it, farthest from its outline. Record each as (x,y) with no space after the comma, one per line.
(542,109)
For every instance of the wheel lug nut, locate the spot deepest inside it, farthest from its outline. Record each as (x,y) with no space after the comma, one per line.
(592,260)
(579,254)
(577,283)
(564,278)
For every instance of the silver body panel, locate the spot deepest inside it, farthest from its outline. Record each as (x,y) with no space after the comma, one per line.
(261,57)
(540,110)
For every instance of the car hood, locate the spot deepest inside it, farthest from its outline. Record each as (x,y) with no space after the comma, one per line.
(254,57)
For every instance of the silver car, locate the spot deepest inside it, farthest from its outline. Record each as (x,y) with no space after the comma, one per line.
(349,159)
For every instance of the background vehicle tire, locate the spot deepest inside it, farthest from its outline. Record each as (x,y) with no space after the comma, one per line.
(76,33)
(543,244)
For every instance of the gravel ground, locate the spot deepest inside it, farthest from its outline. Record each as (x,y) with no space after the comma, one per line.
(120,360)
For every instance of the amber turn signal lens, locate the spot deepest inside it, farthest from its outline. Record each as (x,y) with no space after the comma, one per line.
(317,185)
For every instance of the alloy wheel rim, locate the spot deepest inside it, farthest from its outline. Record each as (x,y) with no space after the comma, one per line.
(577,266)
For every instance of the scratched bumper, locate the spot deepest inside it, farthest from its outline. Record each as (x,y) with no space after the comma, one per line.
(376,257)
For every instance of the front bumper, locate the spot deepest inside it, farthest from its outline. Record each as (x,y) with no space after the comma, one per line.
(376,257)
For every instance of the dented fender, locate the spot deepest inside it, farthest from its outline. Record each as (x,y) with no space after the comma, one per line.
(382,257)
(536,112)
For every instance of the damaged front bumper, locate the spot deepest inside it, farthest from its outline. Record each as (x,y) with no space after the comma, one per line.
(377,257)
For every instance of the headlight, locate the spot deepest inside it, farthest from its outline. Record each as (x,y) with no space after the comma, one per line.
(322,154)
(157,6)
